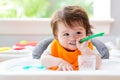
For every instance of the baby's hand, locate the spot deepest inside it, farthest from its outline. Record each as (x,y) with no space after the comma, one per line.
(64,66)
(83,47)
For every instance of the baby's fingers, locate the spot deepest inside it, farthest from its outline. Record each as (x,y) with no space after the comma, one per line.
(65,67)
(69,68)
(82,45)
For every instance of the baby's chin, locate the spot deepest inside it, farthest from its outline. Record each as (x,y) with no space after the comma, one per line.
(71,50)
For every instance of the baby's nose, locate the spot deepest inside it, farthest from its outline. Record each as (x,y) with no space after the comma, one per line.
(74,37)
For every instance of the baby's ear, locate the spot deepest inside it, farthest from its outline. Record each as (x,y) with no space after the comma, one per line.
(88,34)
(56,37)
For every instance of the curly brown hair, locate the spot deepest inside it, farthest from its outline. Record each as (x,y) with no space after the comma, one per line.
(68,15)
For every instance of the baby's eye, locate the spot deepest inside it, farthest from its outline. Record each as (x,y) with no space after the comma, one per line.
(78,33)
(66,34)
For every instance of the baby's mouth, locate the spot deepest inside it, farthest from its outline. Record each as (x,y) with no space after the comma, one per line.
(72,43)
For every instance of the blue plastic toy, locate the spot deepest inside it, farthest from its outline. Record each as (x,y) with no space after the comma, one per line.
(29,67)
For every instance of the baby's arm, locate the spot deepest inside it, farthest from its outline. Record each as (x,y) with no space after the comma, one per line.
(49,61)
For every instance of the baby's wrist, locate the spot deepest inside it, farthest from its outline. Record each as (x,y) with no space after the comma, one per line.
(86,51)
(60,61)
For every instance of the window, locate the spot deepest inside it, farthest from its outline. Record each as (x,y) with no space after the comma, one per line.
(101,19)
(102,16)
(38,8)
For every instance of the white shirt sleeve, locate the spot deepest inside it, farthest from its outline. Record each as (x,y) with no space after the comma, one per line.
(48,50)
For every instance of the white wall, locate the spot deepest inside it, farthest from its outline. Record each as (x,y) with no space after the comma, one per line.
(115,13)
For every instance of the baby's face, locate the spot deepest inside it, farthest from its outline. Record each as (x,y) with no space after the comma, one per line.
(67,36)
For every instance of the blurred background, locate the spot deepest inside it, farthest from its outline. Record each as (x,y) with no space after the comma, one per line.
(30,19)
(38,8)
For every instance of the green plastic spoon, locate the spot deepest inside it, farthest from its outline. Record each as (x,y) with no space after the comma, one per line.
(91,37)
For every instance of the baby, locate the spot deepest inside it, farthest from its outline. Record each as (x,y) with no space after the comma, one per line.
(69,25)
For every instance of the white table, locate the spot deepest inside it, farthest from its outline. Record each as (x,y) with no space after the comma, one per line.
(110,70)
(7,56)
